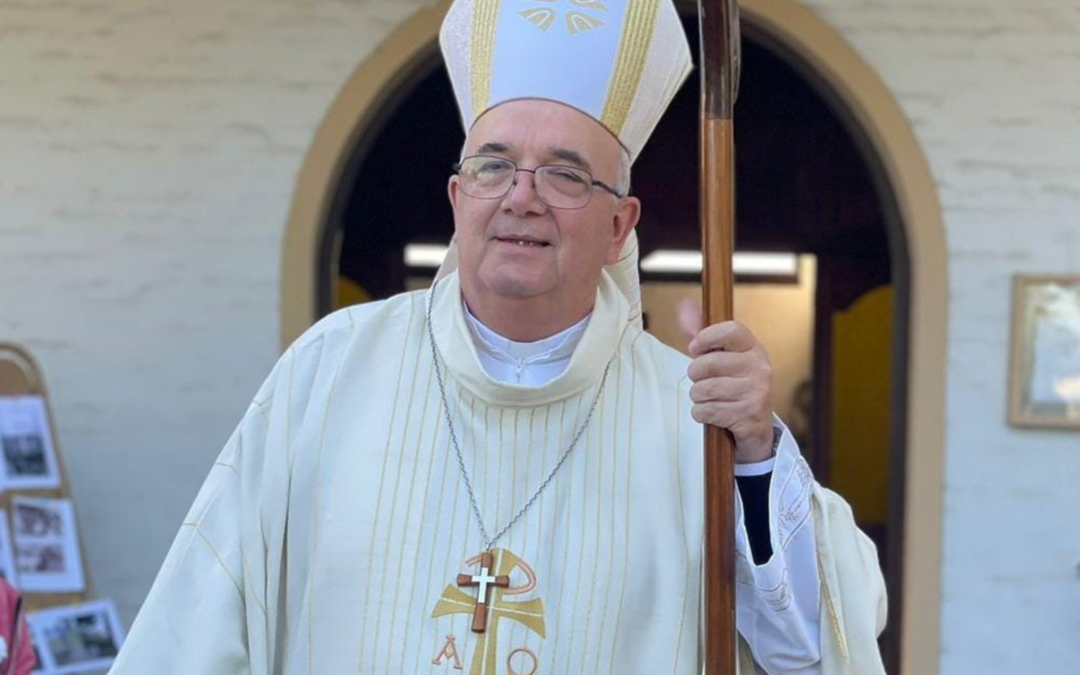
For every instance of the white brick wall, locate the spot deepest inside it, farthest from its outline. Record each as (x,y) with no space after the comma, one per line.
(148,152)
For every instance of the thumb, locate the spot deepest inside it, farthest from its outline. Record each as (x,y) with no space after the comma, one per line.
(690,319)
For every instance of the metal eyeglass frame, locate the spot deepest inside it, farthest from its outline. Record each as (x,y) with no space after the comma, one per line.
(517,169)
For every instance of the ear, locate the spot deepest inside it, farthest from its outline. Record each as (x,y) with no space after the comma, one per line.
(626,219)
(452,190)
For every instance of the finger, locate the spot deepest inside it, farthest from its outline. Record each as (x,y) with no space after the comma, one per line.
(723,414)
(721,389)
(730,336)
(737,417)
(691,320)
(720,364)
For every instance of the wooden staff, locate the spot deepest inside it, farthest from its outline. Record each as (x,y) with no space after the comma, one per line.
(719,85)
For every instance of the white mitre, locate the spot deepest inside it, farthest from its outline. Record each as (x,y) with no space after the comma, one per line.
(620,62)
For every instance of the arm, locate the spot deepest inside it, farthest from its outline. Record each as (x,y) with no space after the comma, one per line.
(777,586)
(837,604)
(194,621)
(779,593)
(206,613)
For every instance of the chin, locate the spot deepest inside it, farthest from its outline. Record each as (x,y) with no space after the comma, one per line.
(516,285)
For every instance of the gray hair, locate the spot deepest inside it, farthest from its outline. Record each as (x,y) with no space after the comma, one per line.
(622,183)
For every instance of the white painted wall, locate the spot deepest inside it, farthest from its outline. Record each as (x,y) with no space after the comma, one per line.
(148,152)
(992,88)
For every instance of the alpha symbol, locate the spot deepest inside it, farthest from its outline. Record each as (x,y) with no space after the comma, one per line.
(449,651)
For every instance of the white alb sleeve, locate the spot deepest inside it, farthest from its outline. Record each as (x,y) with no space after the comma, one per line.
(778,603)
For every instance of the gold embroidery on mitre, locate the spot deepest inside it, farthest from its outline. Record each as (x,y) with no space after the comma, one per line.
(529,613)
(630,63)
(576,22)
(541,17)
(485,21)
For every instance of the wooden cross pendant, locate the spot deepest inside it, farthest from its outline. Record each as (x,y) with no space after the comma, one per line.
(483,581)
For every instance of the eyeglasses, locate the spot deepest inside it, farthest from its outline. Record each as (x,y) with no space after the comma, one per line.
(557,185)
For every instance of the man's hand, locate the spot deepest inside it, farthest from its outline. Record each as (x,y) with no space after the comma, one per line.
(732,380)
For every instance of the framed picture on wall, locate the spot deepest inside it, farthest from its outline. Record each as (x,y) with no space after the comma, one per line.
(1044,386)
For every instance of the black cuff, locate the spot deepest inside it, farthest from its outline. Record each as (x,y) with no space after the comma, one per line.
(754,491)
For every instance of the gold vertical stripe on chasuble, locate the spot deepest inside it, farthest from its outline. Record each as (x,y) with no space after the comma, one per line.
(630,62)
(485,21)
(382,484)
(616,458)
(402,554)
(626,507)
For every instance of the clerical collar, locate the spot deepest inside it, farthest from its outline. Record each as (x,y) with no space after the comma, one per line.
(462,357)
(528,363)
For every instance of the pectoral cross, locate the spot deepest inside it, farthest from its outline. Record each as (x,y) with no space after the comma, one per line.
(489,610)
(483,582)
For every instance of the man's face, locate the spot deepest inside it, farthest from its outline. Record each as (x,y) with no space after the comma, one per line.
(517,246)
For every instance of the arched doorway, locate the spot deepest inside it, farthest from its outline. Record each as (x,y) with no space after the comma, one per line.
(864,238)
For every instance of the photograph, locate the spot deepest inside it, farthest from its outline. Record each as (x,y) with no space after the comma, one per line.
(77,640)
(47,554)
(26,443)
(1044,387)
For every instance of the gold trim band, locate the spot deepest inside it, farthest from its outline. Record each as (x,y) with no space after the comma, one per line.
(638,29)
(485,21)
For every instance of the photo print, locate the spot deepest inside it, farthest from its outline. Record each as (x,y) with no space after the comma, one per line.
(29,459)
(47,555)
(79,640)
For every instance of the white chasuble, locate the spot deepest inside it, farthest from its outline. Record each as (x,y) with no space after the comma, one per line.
(331,533)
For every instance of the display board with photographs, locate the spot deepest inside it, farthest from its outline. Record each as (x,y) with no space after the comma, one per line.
(79,640)
(40,551)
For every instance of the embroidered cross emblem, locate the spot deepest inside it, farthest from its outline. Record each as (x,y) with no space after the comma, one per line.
(529,613)
(483,582)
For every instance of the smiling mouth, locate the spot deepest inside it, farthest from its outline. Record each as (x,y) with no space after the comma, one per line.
(532,243)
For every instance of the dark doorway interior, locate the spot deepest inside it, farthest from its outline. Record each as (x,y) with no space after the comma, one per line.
(806,184)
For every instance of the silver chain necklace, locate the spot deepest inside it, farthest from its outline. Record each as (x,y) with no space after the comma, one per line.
(489,542)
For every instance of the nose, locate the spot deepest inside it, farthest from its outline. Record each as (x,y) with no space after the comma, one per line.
(522,199)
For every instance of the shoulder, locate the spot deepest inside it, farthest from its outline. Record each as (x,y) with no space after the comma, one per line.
(354,333)
(367,322)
